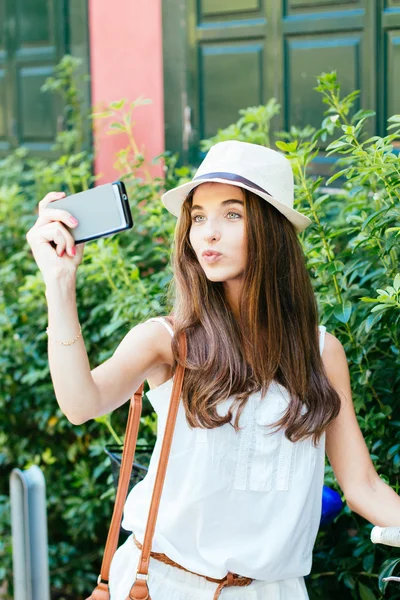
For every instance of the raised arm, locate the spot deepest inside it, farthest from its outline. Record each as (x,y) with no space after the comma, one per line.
(81,393)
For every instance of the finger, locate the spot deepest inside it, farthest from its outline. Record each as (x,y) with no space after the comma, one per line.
(56,214)
(79,251)
(50,197)
(60,241)
(51,233)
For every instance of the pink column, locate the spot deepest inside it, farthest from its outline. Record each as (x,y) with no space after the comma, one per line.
(126,62)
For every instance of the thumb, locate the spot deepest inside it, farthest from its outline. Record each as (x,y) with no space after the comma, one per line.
(79,252)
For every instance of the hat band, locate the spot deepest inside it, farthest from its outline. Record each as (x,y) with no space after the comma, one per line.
(232,177)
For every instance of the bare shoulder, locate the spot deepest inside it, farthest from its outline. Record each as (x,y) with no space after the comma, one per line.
(335,363)
(150,334)
(333,347)
(163,370)
(145,350)
(163,339)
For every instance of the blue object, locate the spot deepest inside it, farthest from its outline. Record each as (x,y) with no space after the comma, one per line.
(331,505)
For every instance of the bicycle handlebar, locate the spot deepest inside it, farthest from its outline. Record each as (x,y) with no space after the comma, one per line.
(390,536)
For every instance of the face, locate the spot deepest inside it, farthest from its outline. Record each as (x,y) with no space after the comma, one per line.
(218,224)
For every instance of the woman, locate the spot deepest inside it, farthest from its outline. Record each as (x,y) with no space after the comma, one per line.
(265,393)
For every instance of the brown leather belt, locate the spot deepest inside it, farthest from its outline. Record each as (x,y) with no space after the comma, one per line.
(230,580)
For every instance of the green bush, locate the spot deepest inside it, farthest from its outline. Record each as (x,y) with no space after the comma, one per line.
(352,253)
(121,282)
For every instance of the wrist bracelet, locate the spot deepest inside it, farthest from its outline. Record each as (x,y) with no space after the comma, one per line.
(66,343)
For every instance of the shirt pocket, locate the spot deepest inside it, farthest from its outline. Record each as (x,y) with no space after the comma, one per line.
(274,457)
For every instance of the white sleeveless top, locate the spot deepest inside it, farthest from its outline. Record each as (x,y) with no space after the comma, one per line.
(248,502)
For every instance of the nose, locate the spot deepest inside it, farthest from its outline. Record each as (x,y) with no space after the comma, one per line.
(211,232)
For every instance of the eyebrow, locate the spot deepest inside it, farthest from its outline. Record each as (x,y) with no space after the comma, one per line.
(223,203)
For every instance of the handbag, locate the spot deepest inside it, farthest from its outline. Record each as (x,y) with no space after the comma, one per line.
(140,590)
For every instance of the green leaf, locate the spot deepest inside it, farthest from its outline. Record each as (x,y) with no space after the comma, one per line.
(379,308)
(374,216)
(368,299)
(336,176)
(363,114)
(118,104)
(101,115)
(336,266)
(116,125)
(390,229)
(282,146)
(141,101)
(387,570)
(337,144)
(365,592)
(343,311)
(392,451)
(368,562)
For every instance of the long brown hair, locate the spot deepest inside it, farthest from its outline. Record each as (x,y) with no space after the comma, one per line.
(275,337)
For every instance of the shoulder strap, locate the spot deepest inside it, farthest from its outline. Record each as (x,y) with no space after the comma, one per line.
(101,592)
(140,590)
(322,331)
(164,322)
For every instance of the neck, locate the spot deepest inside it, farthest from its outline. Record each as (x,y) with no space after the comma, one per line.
(232,293)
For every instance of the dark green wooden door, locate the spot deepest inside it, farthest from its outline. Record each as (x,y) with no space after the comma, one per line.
(389,60)
(224,57)
(240,53)
(34,35)
(5,100)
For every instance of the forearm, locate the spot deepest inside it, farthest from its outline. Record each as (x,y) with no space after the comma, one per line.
(74,387)
(376,501)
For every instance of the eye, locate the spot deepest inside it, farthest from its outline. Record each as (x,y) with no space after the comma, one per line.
(237,216)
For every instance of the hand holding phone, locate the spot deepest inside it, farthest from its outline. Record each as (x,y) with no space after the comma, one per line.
(100,212)
(64,223)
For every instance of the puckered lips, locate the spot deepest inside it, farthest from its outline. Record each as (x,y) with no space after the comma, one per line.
(211,256)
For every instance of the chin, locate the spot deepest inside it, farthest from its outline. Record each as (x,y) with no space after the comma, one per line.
(220,277)
(215,278)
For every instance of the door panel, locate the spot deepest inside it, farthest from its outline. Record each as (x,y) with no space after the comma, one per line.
(4,104)
(319,39)
(390,62)
(223,95)
(33,21)
(227,61)
(393,70)
(221,7)
(33,38)
(319,3)
(244,52)
(327,53)
(36,51)
(37,117)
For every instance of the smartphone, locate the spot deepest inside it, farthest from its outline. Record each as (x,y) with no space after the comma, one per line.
(100,212)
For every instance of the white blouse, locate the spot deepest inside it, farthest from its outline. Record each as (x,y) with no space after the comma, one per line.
(248,502)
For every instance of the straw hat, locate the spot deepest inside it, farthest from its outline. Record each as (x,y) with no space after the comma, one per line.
(256,168)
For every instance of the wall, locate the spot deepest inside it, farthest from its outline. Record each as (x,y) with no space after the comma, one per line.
(126,62)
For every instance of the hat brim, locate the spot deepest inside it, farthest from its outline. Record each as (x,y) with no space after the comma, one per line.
(173,200)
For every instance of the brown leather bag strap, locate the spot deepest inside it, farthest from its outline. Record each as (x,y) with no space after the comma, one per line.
(131,433)
(101,591)
(139,590)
